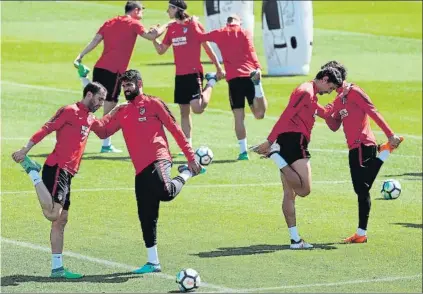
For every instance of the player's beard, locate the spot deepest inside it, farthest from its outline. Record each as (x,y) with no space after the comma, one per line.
(131,96)
(93,108)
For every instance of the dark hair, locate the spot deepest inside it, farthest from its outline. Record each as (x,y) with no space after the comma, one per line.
(232,18)
(334,76)
(182,6)
(131,75)
(339,66)
(94,88)
(131,5)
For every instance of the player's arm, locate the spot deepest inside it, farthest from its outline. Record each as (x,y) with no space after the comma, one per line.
(154,32)
(108,124)
(160,47)
(168,120)
(94,42)
(213,58)
(328,114)
(55,123)
(364,102)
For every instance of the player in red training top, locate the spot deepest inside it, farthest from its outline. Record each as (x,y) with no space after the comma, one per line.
(142,121)
(72,124)
(353,109)
(287,144)
(243,75)
(119,35)
(183,36)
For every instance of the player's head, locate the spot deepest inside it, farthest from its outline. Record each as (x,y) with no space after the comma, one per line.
(94,96)
(327,80)
(134,9)
(177,9)
(131,84)
(234,19)
(339,66)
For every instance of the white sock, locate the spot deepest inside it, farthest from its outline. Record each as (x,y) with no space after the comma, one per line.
(85,81)
(361,232)
(242,145)
(211,83)
(35,177)
(186,174)
(56,261)
(293,232)
(259,90)
(107,142)
(384,155)
(280,162)
(153,257)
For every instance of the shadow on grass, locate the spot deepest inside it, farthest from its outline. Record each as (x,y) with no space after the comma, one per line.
(114,278)
(420,175)
(409,225)
(258,249)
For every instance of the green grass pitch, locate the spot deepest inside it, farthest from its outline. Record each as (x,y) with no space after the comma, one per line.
(228,223)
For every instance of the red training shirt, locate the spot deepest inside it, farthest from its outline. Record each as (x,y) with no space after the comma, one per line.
(299,115)
(142,121)
(72,124)
(354,111)
(237,49)
(119,37)
(186,44)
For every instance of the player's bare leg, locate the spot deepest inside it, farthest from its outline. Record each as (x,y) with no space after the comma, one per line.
(56,241)
(302,168)
(259,107)
(199,105)
(186,121)
(107,143)
(241,132)
(288,209)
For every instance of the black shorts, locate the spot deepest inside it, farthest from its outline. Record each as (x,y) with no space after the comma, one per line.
(154,181)
(58,183)
(188,87)
(239,89)
(110,81)
(294,146)
(361,160)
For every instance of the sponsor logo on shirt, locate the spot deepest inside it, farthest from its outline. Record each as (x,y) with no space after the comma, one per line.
(343,113)
(179,41)
(85,131)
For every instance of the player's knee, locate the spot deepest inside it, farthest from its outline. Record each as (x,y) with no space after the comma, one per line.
(303,192)
(197,110)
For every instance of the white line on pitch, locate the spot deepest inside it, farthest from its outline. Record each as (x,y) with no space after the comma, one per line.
(105,262)
(208,109)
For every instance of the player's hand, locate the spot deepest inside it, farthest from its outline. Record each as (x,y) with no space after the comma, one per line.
(220,74)
(257,76)
(77,60)
(195,167)
(262,149)
(19,155)
(394,141)
(117,108)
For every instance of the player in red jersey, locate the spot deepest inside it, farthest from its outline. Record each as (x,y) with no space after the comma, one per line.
(287,144)
(243,74)
(72,124)
(142,120)
(353,109)
(119,35)
(182,35)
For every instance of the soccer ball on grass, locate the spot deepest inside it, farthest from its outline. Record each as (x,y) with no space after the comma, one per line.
(188,280)
(391,189)
(204,155)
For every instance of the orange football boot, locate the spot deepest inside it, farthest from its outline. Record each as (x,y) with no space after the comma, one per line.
(356,239)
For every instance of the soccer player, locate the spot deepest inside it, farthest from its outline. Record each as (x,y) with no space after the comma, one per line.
(72,124)
(353,110)
(183,36)
(243,75)
(119,35)
(142,121)
(287,144)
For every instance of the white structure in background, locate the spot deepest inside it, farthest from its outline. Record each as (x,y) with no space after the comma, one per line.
(288,36)
(217,12)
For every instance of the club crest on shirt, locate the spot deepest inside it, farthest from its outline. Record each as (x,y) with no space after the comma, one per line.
(142,110)
(343,113)
(85,130)
(185,29)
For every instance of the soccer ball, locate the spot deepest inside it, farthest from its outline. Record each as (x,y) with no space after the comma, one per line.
(204,155)
(188,280)
(391,189)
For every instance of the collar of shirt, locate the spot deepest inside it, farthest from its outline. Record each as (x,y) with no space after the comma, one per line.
(137,99)
(82,106)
